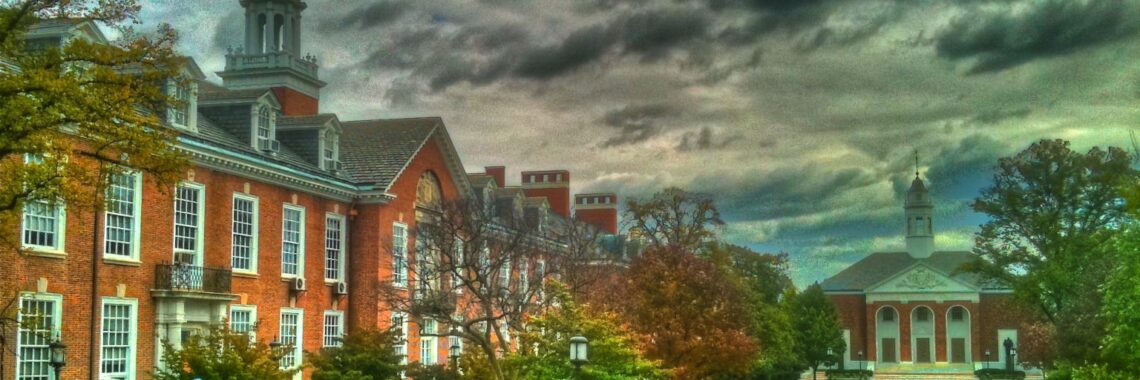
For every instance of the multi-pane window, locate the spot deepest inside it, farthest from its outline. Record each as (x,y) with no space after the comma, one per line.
(330,151)
(187,223)
(458,267)
(39,325)
(922,314)
(122,216)
(427,267)
(292,243)
(180,109)
(957,314)
(334,247)
(399,255)
(117,341)
(400,323)
(244,248)
(334,328)
(428,343)
(264,127)
(505,274)
(524,277)
(290,333)
(888,315)
(242,319)
(43,226)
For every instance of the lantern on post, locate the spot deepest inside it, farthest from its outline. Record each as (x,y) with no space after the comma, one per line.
(58,356)
(578,348)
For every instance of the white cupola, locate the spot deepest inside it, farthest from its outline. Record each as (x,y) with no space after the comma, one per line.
(919,211)
(271,56)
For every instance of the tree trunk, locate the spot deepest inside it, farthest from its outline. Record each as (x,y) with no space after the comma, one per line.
(814,371)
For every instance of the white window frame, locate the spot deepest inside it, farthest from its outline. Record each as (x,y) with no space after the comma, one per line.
(252,310)
(300,241)
(54,329)
(429,343)
(132,347)
(298,346)
(59,224)
(330,143)
(199,233)
(136,221)
(400,255)
(340,249)
(401,346)
(190,92)
(505,275)
(255,125)
(459,267)
(333,333)
(253,236)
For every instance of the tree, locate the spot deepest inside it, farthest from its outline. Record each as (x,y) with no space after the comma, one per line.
(478,272)
(612,351)
(1121,305)
(687,315)
(818,333)
(221,354)
(363,355)
(1052,215)
(674,217)
(763,279)
(83,109)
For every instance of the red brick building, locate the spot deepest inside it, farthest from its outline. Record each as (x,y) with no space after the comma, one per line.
(911,312)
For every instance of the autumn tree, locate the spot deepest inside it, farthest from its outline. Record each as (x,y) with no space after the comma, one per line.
(222,354)
(674,217)
(687,315)
(612,355)
(362,355)
(818,333)
(1052,214)
(477,273)
(81,108)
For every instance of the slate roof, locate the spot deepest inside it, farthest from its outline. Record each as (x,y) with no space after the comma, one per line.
(376,151)
(210,132)
(320,119)
(480,180)
(208,92)
(879,266)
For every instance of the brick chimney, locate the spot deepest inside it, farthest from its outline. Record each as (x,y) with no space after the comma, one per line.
(599,209)
(554,185)
(499,173)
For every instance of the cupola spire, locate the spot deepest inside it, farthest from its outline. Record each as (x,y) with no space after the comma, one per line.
(919,211)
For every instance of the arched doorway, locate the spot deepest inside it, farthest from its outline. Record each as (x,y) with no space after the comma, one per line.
(958,335)
(887,335)
(922,335)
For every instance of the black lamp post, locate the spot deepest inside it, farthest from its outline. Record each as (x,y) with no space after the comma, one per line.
(578,347)
(275,349)
(861,361)
(987,359)
(58,356)
(1008,344)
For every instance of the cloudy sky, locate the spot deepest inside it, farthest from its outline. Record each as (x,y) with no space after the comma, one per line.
(799,117)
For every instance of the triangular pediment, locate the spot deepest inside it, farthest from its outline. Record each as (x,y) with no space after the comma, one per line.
(920,278)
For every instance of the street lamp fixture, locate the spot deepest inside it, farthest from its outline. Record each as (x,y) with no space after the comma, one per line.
(861,361)
(987,359)
(578,347)
(275,348)
(453,351)
(58,356)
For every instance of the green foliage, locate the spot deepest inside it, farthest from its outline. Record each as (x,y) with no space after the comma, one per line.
(1052,213)
(852,374)
(431,372)
(81,104)
(1101,372)
(220,355)
(674,217)
(818,334)
(1121,305)
(612,352)
(363,355)
(998,374)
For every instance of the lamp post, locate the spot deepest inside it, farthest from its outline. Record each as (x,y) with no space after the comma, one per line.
(861,361)
(1008,344)
(987,359)
(578,347)
(453,351)
(58,356)
(275,348)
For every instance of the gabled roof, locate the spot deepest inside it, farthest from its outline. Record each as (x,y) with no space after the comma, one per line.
(210,132)
(306,120)
(878,267)
(377,151)
(481,180)
(209,92)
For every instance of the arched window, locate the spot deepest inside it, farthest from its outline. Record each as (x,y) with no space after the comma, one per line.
(428,193)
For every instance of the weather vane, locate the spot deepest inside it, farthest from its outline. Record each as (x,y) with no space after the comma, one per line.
(916,163)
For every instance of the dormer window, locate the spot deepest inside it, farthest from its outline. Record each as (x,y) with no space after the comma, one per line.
(184,104)
(331,152)
(264,126)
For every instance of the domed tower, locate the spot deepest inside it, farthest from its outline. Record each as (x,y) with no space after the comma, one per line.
(271,56)
(919,211)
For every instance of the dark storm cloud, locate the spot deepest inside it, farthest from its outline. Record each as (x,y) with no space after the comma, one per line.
(701,140)
(653,33)
(1000,114)
(635,123)
(367,17)
(1000,39)
(580,48)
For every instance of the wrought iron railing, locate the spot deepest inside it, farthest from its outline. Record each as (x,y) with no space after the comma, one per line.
(191,277)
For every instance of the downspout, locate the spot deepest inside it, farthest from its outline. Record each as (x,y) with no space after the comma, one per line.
(94,343)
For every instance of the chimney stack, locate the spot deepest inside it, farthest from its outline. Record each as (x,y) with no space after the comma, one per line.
(599,209)
(499,173)
(554,185)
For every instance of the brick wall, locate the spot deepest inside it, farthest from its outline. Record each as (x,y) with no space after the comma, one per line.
(852,315)
(294,103)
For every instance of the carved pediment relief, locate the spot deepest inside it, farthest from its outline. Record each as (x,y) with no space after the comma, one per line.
(921,279)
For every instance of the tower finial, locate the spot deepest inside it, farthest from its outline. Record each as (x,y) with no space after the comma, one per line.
(916,164)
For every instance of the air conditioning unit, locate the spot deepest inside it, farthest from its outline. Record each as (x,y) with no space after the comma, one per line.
(298,284)
(337,166)
(271,146)
(341,288)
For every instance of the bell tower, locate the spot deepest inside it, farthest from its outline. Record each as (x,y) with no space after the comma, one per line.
(919,211)
(271,57)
